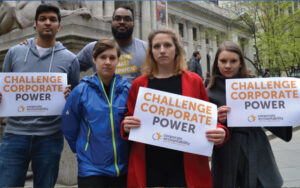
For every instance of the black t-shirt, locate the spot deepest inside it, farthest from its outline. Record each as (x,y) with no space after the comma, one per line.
(107,91)
(164,167)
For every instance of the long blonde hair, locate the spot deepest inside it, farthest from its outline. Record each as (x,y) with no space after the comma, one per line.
(150,67)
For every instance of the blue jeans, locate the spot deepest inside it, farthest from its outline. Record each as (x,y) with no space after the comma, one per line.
(17,151)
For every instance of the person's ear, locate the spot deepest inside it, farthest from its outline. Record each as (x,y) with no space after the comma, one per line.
(118,60)
(59,27)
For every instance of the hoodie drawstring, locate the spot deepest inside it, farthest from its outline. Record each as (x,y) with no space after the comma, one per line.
(51,61)
(51,58)
(27,54)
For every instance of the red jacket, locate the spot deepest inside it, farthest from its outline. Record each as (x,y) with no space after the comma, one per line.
(196,167)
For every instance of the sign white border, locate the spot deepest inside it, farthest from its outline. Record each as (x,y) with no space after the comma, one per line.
(269,106)
(32,102)
(182,139)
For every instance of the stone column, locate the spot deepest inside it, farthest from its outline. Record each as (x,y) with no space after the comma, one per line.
(153,15)
(203,50)
(137,20)
(68,167)
(146,19)
(234,37)
(250,48)
(185,30)
(170,22)
(249,52)
(214,45)
(190,39)
(175,23)
(109,7)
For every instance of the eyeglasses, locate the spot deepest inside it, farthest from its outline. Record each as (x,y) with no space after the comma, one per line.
(120,18)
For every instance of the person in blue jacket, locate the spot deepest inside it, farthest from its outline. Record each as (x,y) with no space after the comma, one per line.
(91,121)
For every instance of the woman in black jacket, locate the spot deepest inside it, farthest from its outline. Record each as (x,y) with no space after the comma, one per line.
(246,160)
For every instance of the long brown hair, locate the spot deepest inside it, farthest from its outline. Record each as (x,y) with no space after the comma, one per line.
(150,67)
(231,47)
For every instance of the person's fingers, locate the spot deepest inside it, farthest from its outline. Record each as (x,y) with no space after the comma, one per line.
(67,91)
(224,109)
(216,136)
(222,113)
(128,126)
(216,141)
(25,42)
(132,120)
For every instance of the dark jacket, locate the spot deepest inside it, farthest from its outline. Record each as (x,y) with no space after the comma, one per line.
(195,66)
(252,143)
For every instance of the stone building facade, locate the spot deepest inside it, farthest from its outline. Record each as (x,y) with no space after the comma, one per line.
(202,25)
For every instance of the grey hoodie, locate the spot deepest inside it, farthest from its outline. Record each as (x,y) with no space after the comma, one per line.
(26,58)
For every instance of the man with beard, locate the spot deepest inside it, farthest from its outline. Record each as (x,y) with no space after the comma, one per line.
(133,50)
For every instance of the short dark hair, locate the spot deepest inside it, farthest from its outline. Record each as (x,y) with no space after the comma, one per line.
(105,44)
(196,53)
(45,7)
(127,8)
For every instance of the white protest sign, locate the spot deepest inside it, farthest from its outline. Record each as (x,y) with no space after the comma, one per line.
(262,102)
(32,94)
(174,121)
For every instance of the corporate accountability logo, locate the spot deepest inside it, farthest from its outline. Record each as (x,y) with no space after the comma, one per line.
(38,108)
(156,136)
(269,118)
(21,108)
(169,139)
(251,118)
(265,118)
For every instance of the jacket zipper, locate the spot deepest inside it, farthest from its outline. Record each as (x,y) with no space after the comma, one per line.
(112,123)
(88,136)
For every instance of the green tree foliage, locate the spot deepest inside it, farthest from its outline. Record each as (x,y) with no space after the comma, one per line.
(275,26)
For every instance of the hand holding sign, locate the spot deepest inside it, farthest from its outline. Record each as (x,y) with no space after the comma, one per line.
(67,91)
(131,122)
(222,113)
(32,94)
(217,136)
(261,102)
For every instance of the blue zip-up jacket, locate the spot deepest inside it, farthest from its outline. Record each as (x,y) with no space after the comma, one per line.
(91,123)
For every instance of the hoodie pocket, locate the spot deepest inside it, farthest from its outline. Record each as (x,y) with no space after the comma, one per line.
(88,135)
(99,147)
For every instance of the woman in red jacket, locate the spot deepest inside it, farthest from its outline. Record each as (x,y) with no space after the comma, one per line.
(165,69)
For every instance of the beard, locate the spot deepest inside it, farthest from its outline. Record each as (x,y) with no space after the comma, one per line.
(122,35)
